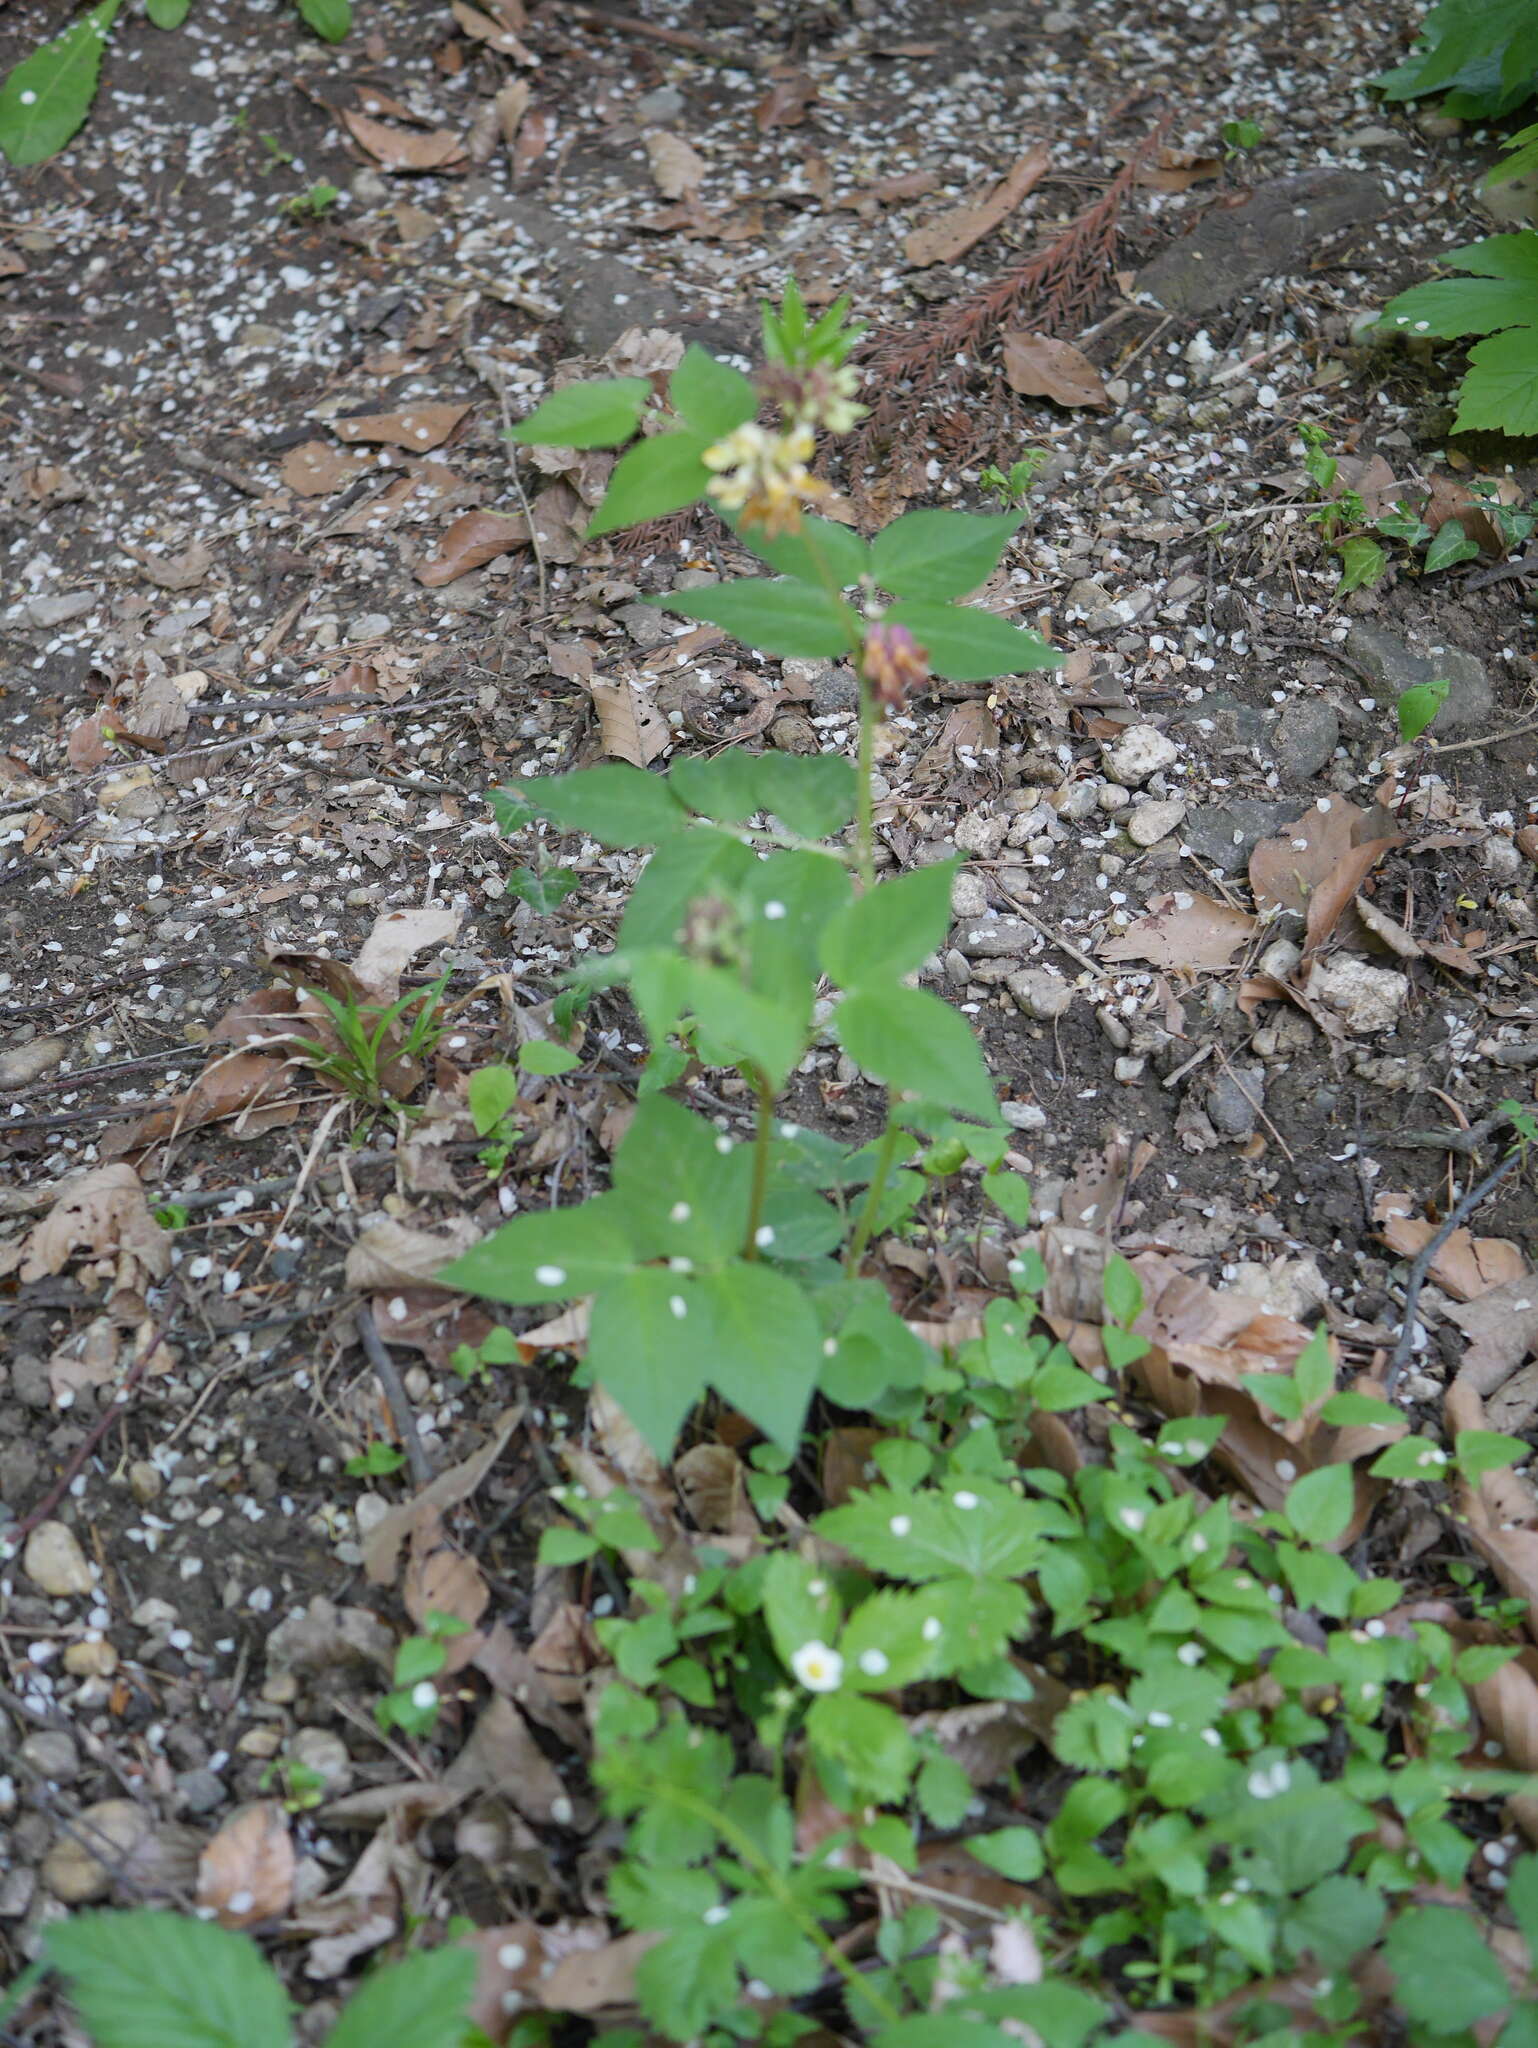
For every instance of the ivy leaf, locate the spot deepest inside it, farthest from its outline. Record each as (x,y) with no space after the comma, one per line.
(941,554)
(157,1980)
(712,397)
(1449,544)
(1362,563)
(891,929)
(786,618)
(655,477)
(602,414)
(47,96)
(914,1042)
(330,19)
(971,646)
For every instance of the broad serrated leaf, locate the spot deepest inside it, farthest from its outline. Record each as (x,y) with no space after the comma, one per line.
(940,554)
(419,2002)
(1500,391)
(892,929)
(870,1742)
(654,478)
(747,1026)
(971,646)
(812,795)
(162,1980)
(601,414)
(1453,306)
(1513,255)
(679,1194)
(330,19)
(48,94)
(687,866)
(547,1255)
(917,1044)
(1445,1973)
(820,552)
(652,1344)
(975,1529)
(721,786)
(712,397)
(786,902)
(785,618)
(769,1347)
(616,804)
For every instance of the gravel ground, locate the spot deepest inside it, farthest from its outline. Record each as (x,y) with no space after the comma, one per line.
(251,710)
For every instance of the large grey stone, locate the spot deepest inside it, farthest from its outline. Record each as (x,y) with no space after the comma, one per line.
(1307,735)
(1227,834)
(1232,249)
(1392,666)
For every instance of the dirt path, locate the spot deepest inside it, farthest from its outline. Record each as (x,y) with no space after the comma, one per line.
(260,664)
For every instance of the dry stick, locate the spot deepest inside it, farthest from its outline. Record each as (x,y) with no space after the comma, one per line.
(389,1379)
(1493,739)
(1421,1265)
(1037,924)
(675,38)
(13,1539)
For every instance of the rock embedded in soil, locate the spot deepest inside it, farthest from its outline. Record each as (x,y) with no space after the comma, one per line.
(1234,1100)
(52,1754)
(1138,753)
(1232,249)
(1227,834)
(1367,999)
(995,938)
(1040,993)
(55,1563)
(24,1063)
(1392,667)
(113,1828)
(1307,735)
(1155,820)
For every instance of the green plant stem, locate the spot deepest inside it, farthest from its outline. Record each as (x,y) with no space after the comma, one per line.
(880,1175)
(762,1133)
(747,1852)
(866,812)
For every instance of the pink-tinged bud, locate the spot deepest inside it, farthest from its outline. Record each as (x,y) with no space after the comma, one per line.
(894,664)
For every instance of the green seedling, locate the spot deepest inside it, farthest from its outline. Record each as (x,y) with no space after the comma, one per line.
(312,204)
(371,1041)
(1241,135)
(1415,708)
(412,1703)
(1013,486)
(377,1462)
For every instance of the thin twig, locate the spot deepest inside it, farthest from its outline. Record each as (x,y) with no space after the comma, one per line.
(417,1461)
(1038,924)
(675,38)
(1491,739)
(1422,1263)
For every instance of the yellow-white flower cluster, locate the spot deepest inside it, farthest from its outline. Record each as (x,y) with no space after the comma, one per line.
(763,476)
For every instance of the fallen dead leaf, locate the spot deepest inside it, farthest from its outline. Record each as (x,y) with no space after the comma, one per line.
(866,198)
(315,468)
(470,543)
(389,1253)
(784,105)
(511,104)
(246,1873)
(676,166)
(175,572)
(102,1215)
(1465,1265)
(1177,170)
(1038,365)
(405,149)
(394,942)
(1499,1510)
(1448,499)
(943,240)
(480,28)
(632,727)
(417,427)
(503,1756)
(1182,930)
(382,1547)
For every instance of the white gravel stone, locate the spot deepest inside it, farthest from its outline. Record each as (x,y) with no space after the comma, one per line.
(1141,751)
(55,1563)
(980,835)
(1155,820)
(969,895)
(1279,959)
(1040,993)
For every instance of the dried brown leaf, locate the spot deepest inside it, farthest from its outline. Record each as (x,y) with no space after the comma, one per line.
(389,1253)
(101,1215)
(1465,1265)
(417,427)
(381,1550)
(1448,499)
(676,166)
(496,35)
(1182,930)
(503,1756)
(511,104)
(1177,170)
(784,105)
(394,942)
(405,149)
(1503,1326)
(246,1873)
(943,240)
(1499,1509)
(632,727)
(1040,366)
(175,572)
(474,539)
(315,468)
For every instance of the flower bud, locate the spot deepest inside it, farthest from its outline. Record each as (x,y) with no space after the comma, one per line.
(893,664)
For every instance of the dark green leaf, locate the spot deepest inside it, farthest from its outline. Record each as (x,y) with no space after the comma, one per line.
(47,96)
(940,554)
(686,867)
(1012,1852)
(891,929)
(712,397)
(681,1196)
(603,414)
(971,646)
(768,1347)
(787,618)
(1362,563)
(1449,545)
(652,1344)
(786,903)
(812,795)
(1319,1505)
(1522,1898)
(655,477)
(167,13)
(330,19)
(1445,1973)
(419,2002)
(820,552)
(162,1980)
(917,1044)
(764,1030)
(722,786)
(615,804)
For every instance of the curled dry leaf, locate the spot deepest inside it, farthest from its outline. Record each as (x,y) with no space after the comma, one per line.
(441,1579)
(1502,1324)
(943,240)
(496,35)
(381,1551)
(1317,865)
(1448,499)
(1499,1509)
(388,1253)
(417,427)
(784,105)
(175,572)
(246,1873)
(1040,366)
(503,1756)
(1183,930)
(676,166)
(405,149)
(632,727)
(1465,1265)
(101,1215)
(511,104)
(1177,170)
(396,939)
(474,539)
